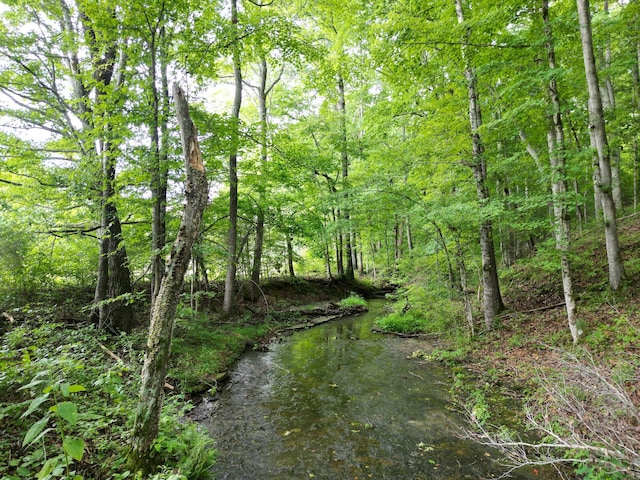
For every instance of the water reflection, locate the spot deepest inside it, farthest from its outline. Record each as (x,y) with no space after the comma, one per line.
(341,402)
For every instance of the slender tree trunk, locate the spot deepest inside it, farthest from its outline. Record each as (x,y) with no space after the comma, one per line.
(259,240)
(159,175)
(597,127)
(556,143)
(492,300)
(464,292)
(342,106)
(292,273)
(609,103)
(154,370)
(338,245)
(232,240)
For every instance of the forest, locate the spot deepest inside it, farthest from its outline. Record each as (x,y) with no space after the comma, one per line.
(182,172)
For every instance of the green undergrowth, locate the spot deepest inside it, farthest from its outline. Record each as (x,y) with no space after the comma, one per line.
(67,406)
(353,300)
(203,348)
(420,309)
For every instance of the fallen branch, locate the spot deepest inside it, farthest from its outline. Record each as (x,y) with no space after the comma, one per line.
(539,309)
(167,385)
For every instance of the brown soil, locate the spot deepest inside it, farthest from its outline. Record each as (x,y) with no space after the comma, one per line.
(532,335)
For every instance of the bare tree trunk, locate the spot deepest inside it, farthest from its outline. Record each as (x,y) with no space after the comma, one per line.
(635,174)
(113,272)
(292,273)
(159,176)
(556,143)
(597,126)
(256,266)
(342,106)
(145,429)
(462,272)
(609,103)
(492,300)
(232,240)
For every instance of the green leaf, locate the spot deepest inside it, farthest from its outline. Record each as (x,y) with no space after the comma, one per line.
(35,381)
(36,431)
(64,389)
(48,468)
(76,388)
(67,410)
(74,447)
(35,403)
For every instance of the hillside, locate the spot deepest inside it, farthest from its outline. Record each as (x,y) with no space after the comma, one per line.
(584,399)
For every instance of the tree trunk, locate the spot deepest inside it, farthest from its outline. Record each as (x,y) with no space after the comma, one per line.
(256,266)
(464,292)
(114,278)
(154,370)
(597,127)
(292,273)
(492,300)
(158,131)
(342,106)
(232,240)
(609,103)
(556,143)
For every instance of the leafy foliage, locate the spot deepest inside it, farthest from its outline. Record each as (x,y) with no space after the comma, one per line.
(72,406)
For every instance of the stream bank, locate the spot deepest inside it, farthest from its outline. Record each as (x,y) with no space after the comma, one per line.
(341,401)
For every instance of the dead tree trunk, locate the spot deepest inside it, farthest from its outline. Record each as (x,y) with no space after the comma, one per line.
(154,371)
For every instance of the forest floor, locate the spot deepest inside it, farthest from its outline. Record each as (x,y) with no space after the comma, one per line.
(533,331)
(585,398)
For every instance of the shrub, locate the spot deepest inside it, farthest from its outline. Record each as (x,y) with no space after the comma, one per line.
(353,300)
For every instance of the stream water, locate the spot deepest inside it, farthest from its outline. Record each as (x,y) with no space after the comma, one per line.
(341,402)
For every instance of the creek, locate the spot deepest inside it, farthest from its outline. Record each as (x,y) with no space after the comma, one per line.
(339,401)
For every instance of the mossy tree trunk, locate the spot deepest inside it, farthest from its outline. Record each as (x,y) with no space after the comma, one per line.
(163,312)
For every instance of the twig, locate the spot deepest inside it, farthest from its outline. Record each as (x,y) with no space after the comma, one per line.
(110,353)
(539,309)
(416,375)
(119,360)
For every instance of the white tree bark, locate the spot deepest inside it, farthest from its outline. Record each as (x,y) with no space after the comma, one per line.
(555,140)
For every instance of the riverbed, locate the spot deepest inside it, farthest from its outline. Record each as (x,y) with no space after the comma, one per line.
(339,401)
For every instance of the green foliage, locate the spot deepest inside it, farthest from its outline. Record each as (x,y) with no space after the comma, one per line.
(423,310)
(201,349)
(612,337)
(353,300)
(72,406)
(447,356)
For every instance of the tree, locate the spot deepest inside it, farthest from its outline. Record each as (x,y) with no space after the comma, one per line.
(232,238)
(491,287)
(555,138)
(599,134)
(163,312)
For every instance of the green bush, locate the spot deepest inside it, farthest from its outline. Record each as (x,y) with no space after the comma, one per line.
(67,408)
(353,300)
(410,322)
